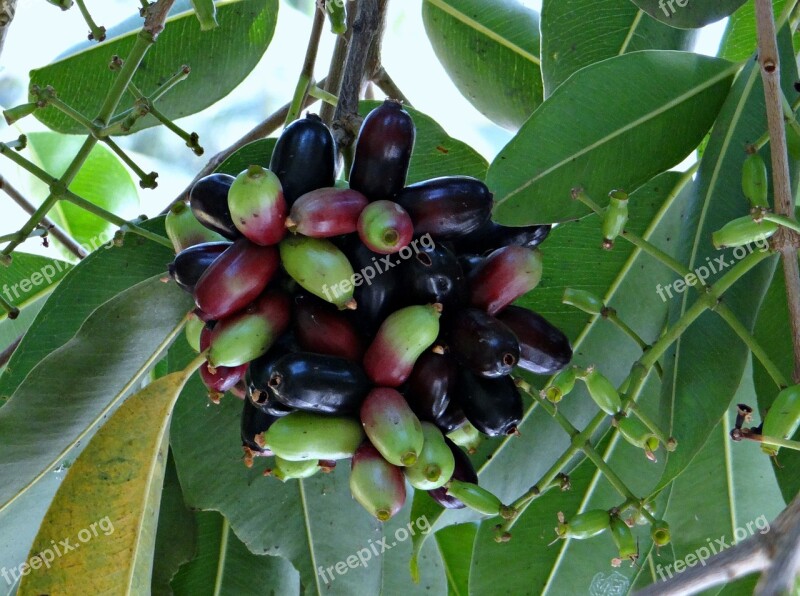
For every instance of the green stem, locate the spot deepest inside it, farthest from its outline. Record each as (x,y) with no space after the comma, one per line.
(181,75)
(307,73)
(649,423)
(51,99)
(789,116)
(321,94)
(98,33)
(145,180)
(611,315)
(143,42)
(37,233)
(781,220)
(778,442)
(192,139)
(11,310)
(610,474)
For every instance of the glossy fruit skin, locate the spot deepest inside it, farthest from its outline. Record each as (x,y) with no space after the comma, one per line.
(326,212)
(391,426)
(304,158)
(448,207)
(755,182)
(294,470)
(463,471)
(636,433)
(453,416)
(603,393)
(377,485)
(493,406)
(184,230)
(223,378)
(783,418)
(190,264)
(467,437)
(385,227)
(319,383)
(504,276)
(475,497)
(434,274)
(383,152)
(430,385)
(319,267)
(320,327)
(742,231)
(401,339)
(561,385)
(235,278)
(469,263)
(259,371)
(491,236)
(583,300)
(302,436)
(250,333)
(482,343)
(193,330)
(543,348)
(435,464)
(253,423)
(257,206)
(585,525)
(382,289)
(209,201)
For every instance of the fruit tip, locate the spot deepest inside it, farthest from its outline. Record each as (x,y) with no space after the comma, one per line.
(351,304)
(409,459)
(438,307)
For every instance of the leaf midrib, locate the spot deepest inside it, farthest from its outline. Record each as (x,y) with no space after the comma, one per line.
(483,29)
(622,130)
(631,30)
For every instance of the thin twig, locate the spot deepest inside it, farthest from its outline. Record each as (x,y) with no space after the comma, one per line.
(54,229)
(363,61)
(6,16)
(259,131)
(386,84)
(306,78)
(785,240)
(335,73)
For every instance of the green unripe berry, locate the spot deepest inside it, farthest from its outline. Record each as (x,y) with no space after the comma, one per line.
(584,525)
(637,434)
(742,231)
(561,385)
(602,391)
(660,533)
(302,436)
(583,300)
(755,182)
(467,437)
(475,497)
(293,470)
(624,540)
(435,463)
(319,267)
(194,327)
(615,218)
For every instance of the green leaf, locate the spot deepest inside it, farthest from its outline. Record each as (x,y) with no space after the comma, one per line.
(775,335)
(626,280)
(87,377)
(114,487)
(739,40)
(709,358)
(490,49)
(103,180)
(686,14)
(176,536)
(578,33)
(225,566)
(220,59)
(728,492)
(609,142)
(455,545)
(435,152)
(96,280)
(255,153)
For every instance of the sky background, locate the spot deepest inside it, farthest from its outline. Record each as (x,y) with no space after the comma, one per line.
(41,32)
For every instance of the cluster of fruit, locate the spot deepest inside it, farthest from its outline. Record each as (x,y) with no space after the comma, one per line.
(368,320)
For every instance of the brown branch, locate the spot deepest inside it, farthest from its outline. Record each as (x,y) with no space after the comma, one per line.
(362,64)
(386,84)
(6,354)
(59,234)
(335,73)
(259,131)
(7,10)
(785,240)
(155,15)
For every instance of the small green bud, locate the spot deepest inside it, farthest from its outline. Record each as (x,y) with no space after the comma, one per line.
(637,434)
(561,385)
(602,391)
(615,218)
(755,184)
(584,525)
(475,497)
(660,533)
(206,13)
(624,540)
(742,231)
(783,418)
(583,300)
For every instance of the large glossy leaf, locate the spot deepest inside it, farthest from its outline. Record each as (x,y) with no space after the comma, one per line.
(728,492)
(176,536)
(112,488)
(220,59)
(223,565)
(455,545)
(629,118)
(88,376)
(739,40)
(99,278)
(103,180)
(577,33)
(627,281)
(686,14)
(709,358)
(774,333)
(490,49)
